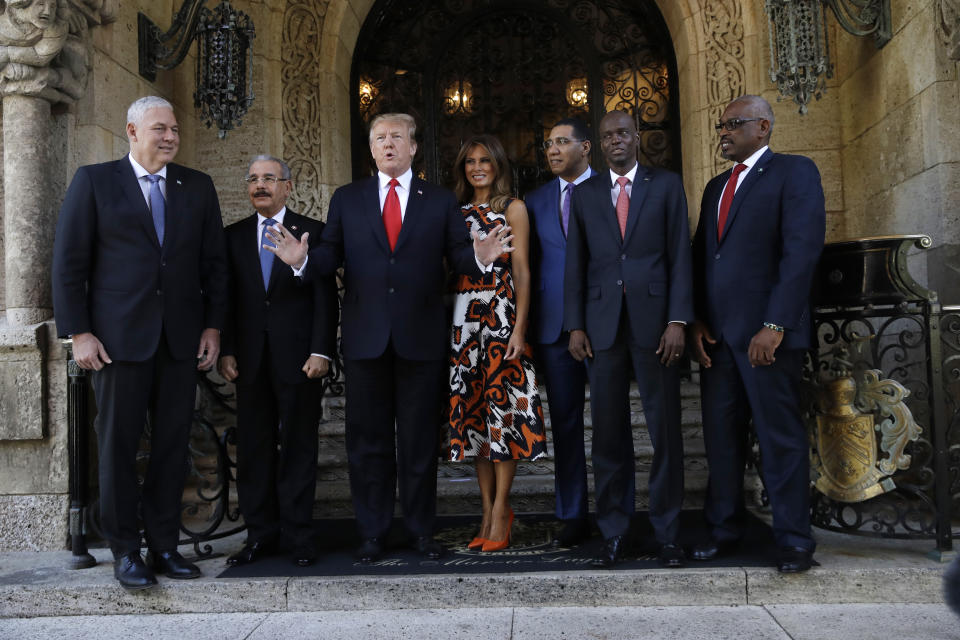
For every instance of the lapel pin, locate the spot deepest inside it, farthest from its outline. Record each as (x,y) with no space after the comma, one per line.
(759,170)
(419,192)
(178,181)
(293,228)
(646,179)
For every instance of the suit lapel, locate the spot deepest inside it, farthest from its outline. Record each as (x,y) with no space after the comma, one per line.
(606,208)
(131,189)
(753,176)
(371,211)
(641,180)
(412,215)
(553,212)
(250,258)
(292,222)
(172,221)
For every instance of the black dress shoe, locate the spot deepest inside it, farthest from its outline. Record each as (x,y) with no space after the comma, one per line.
(714,549)
(427,546)
(251,552)
(794,560)
(370,550)
(572,533)
(132,573)
(672,556)
(304,555)
(173,565)
(611,554)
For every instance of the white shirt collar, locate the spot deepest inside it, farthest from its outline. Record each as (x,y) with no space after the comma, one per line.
(583,176)
(139,171)
(752,160)
(278,217)
(630,175)
(404,179)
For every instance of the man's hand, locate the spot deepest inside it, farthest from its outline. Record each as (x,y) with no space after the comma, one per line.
(228,368)
(671,344)
(316,367)
(288,249)
(579,346)
(494,245)
(209,349)
(700,333)
(762,346)
(89,353)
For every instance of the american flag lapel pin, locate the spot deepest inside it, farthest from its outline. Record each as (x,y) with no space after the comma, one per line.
(293,227)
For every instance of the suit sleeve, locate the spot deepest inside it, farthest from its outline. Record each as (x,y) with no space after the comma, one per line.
(680,304)
(73,251)
(459,244)
(326,311)
(575,267)
(213,263)
(802,232)
(327,255)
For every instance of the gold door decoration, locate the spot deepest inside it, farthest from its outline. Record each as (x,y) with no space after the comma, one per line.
(849,414)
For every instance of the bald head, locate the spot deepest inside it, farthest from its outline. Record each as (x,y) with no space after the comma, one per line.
(745,127)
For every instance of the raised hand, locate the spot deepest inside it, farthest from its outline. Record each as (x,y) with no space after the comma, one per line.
(491,247)
(288,249)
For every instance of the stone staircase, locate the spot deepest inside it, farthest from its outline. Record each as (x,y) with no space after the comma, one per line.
(533,488)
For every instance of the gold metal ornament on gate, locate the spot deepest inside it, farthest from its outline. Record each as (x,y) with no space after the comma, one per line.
(850,414)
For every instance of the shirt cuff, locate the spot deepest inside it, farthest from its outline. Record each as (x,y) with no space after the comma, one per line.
(484,269)
(299,272)
(682,323)
(320,355)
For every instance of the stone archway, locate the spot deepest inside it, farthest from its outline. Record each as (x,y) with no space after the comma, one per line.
(320,36)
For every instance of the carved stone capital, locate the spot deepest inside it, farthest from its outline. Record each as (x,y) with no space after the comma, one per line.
(45,46)
(948,26)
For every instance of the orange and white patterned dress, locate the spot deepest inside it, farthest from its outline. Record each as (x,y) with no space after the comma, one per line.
(495,409)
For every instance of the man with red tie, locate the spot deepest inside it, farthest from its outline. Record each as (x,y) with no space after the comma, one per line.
(627,295)
(390,233)
(760,235)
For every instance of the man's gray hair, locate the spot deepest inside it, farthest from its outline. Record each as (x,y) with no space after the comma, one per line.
(139,109)
(405,118)
(266,157)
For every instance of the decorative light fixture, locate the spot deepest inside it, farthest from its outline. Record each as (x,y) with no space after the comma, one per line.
(224,66)
(368,94)
(799,51)
(458,98)
(577,92)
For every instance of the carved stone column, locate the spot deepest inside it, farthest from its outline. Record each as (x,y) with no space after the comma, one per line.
(45,55)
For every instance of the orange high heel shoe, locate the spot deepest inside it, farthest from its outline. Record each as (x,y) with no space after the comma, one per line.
(477,543)
(492,545)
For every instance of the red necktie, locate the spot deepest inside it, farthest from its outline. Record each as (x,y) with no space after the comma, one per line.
(391,214)
(727,199)
(623,205)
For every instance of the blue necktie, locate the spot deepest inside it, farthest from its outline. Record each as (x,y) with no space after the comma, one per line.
(565,207)
(158,206)
(266,257)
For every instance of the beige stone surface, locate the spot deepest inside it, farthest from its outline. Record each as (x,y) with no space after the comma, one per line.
(22,384)
(36,522)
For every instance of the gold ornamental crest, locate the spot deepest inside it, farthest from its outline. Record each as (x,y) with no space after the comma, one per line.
(849,415)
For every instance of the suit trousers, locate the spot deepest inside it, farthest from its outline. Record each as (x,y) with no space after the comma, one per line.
(732,391)
(613,454)
(565,379)
(277,454)
(126,392)
(393,424)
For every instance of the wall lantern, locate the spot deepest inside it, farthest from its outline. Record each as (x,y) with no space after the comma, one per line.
(799,51)
(224,65)
(458,98)
(577,92)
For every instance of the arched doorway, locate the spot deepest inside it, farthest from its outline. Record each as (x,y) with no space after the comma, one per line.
(512,68)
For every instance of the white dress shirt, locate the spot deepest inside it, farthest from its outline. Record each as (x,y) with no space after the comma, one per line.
(752,160)
(141,174)
(563,183)
(615,191)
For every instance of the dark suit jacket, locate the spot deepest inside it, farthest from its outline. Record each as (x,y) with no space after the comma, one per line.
(550,250)
(294,317)
(111,277)
(762,269)
(393,296)
(652,261)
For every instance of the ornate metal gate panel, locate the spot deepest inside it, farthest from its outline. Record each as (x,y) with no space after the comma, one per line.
(883,418)
(513,69)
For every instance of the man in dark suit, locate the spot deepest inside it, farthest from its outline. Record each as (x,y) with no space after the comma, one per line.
(139,282)
(277,341)
(627,295)
(760,235)
(390,233)
(568,154)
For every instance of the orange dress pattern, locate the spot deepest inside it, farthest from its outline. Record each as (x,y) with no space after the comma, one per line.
(495,409)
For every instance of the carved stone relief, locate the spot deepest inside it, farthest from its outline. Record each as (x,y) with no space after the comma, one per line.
(723,28)
(948,25)
(45,48)
(302,122)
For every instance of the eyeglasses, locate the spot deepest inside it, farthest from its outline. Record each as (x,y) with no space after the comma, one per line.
(733,123)
(267,179)
(622,134)
(560,142)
